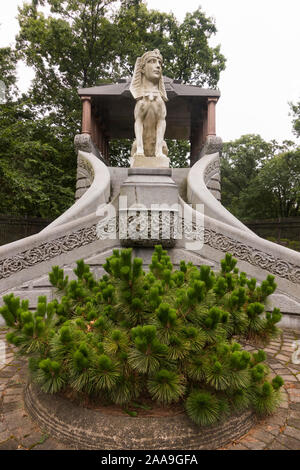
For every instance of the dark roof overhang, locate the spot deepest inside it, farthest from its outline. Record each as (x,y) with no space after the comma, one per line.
(113,105)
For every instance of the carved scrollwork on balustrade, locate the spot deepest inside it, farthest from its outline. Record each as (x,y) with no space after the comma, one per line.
(47,251)
(136,236)
(212,169)
(85,170)
(252,255)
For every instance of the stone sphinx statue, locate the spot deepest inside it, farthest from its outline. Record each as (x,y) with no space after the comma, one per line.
(147,87)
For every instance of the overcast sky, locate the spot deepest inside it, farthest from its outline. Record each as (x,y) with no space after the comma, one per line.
(260,40)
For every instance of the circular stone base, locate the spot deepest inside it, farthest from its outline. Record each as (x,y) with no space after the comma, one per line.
(83,428)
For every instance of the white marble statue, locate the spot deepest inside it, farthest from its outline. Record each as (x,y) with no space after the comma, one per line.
(147,87)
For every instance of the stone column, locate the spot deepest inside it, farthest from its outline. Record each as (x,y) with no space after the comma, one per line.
(86,115)
(211,116)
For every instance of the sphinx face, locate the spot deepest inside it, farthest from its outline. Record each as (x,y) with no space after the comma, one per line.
(153,69)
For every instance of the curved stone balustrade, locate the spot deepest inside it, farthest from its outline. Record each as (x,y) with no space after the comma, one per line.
(71,236)
(84,232)
(256,256)
(98,193)
(198,193)
(31,257)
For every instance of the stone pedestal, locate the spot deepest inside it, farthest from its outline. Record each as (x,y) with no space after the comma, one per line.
(140,161)
(148,208)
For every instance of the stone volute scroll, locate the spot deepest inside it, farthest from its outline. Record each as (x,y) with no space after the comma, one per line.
(147,87)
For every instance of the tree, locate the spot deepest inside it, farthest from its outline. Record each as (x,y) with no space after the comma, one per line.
(84,43)
(8,62)
(179,151)
(35,172)
(184,46)
(277,186)
(242,161)
(295,108)
(71,48)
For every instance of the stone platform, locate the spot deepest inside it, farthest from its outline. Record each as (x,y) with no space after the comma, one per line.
(140,161)
(280,431)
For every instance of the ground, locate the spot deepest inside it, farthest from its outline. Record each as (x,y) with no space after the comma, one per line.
(280,431)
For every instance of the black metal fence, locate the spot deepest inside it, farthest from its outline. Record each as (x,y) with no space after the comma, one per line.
(13,228)
(282,228)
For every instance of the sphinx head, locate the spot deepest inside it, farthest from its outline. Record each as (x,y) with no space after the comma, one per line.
(151,65)
(148,66)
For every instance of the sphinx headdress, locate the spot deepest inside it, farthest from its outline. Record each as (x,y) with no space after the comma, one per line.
(136,82)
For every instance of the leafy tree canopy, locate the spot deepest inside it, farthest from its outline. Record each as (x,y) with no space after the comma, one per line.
(8,62)
(85,43)
(184,46)
(78,43)
(179,151)
(36,173)
(278,185)
(259,178)
(295,108)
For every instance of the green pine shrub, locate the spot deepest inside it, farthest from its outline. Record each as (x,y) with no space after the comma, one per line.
(166,335)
